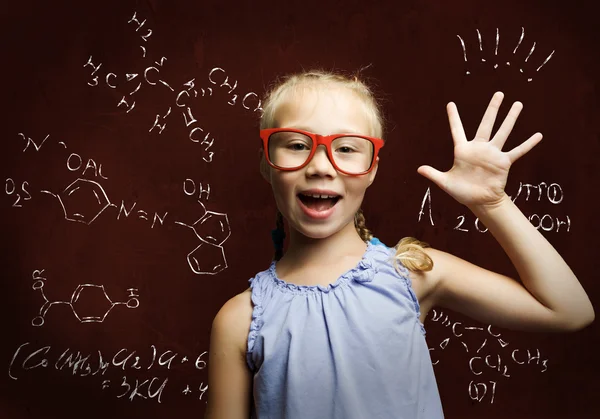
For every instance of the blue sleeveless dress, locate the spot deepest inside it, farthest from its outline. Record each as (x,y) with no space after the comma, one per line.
(354,349)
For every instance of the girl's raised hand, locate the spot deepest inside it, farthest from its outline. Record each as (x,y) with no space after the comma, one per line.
(478,175)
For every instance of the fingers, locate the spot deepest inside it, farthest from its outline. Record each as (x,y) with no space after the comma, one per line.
(524,148)
(484,132)
(507,126)
(456,127)
(486,126)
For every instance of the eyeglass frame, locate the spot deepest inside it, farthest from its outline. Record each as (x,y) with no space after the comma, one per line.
(317,139)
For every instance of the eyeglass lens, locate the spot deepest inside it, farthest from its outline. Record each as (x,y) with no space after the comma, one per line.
(289,150)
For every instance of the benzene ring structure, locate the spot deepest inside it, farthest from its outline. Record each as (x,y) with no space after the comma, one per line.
(85,293)
(82,196)
(213,229)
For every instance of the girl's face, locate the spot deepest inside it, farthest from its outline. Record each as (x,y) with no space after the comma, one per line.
(332,110)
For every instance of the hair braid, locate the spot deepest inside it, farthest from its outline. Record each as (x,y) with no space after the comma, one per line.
(409,252)
(359,223)
(278,236)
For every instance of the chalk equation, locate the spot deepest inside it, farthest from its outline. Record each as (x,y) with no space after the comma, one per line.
(182,97)
(551,193)
(85,199)
(29,357)
(480,362)
(495,57)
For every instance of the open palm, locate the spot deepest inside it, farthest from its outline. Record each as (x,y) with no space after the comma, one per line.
(478,175)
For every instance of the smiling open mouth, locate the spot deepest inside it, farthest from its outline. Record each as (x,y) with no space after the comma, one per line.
(319,202)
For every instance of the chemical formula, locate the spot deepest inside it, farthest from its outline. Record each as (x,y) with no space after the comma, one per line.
(29,357)
(551,193)
(183,97)
(479,362)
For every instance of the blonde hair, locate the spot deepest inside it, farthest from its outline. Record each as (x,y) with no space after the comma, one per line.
(409,251)
(317,79)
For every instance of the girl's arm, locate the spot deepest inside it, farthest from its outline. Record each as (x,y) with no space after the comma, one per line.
(229,378)
(551,297)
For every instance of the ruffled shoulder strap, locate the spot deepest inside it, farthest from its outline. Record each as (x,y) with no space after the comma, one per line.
(387,255)
(259,285)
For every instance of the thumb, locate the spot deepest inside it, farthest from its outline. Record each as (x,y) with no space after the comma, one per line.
(432,174)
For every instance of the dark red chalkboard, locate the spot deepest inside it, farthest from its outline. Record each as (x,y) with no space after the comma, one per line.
(132,205)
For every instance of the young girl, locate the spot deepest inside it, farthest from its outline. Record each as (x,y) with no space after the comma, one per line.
(334,327)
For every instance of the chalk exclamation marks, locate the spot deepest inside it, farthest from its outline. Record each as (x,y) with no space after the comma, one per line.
(480,46)
(520,40)
(546,60)
(528,55)
(496,50)
(496,59)
(462,43)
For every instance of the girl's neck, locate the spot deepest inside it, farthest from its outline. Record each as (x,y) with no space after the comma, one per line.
(321,252)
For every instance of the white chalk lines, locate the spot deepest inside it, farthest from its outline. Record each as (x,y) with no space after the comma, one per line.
(480,54)
(484,358)
(551,193)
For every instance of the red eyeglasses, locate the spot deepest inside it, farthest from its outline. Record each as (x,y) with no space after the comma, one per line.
(291,149)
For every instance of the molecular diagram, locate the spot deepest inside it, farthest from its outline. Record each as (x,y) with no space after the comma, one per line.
(75,197)
(500,362)
(213,230)
(84,293)
(84,200)
(182,100)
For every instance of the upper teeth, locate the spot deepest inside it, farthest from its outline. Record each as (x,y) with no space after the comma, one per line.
(321,196)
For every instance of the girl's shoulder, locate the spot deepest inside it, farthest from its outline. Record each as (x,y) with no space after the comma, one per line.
(235,317)
(423,284)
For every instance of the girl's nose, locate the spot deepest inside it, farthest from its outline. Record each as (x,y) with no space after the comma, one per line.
(320,164)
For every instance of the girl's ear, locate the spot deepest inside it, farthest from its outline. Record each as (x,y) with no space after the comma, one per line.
(265,169)
(373,172)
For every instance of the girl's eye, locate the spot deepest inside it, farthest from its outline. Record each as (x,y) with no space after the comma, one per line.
(345,149)
(298,146)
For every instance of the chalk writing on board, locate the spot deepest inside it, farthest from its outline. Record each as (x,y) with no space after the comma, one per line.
(426,200)
(84,293)
(74,163)
(84,200)
(189,188)
(480,362)
(29,141)
(141,214)
(479,38)
(139,26)
(213,229)
(202,389)
(150,75)
(28,357)
(10,188)
(140,388)
(551,193)
(216,77)
(81,196)
(249,101)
